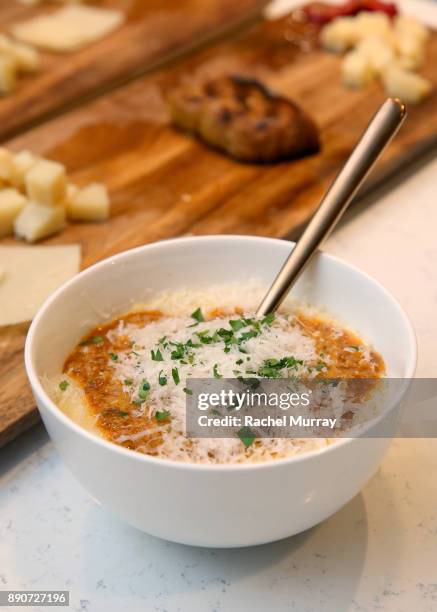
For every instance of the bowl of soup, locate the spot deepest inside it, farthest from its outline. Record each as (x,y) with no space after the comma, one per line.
(110,355)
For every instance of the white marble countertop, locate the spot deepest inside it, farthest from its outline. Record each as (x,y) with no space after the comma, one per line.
(377,553)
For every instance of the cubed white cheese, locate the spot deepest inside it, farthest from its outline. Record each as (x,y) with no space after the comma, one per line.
(22,163)
(89,204)
(407,25)
(372,24)
(8,73)
(411,50)
(356,70)
(378,51)
(339,35)
(12,203)
(46,182)
(26,57)
(37,221)
(408,86)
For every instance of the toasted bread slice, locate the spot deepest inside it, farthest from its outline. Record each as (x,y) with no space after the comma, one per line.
(241,117)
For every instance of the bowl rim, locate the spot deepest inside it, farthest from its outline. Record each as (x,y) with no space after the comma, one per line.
(56,412)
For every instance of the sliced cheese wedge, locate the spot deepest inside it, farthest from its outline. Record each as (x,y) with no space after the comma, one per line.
(46,182)
(31,274)
(12,203)
(69,28)
(37,221)
(88,204)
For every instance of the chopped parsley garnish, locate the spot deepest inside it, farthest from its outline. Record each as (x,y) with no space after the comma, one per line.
(156,355)
(198,316)
(162,379)
(187,391)
(144,389)
(113,356)
(320,366)
(175,375)
(239,361)
(179,351)
(237,324)
(97,340)
(128,382)
(355,347)
(271,368)
(162,415)
(63,385)
(246,436)
(92,340)
(216,372)
(268,319)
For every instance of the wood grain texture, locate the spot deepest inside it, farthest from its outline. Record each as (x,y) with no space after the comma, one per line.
(153,32)
(164,183)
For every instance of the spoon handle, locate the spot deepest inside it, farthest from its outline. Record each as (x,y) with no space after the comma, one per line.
(378,134)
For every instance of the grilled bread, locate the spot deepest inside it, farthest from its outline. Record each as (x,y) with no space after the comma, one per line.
(241,117)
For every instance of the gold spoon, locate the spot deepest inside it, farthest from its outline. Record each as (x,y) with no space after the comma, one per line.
(378,134)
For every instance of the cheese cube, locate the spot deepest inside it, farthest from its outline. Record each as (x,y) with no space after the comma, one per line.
(22,163)
(372,24)
(8,72)
(339,35)
(26,57)
(408,86)
(356,70)
(46,182)
(409,26)
(378,51)
(89,204)
(11,204)
(6,166)
(72,190)
(37,221)
(411,50)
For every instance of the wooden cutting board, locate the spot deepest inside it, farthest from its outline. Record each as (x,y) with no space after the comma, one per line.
(163,183)
(153,32)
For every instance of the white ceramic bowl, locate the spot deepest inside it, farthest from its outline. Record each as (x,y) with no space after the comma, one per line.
(218,506)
